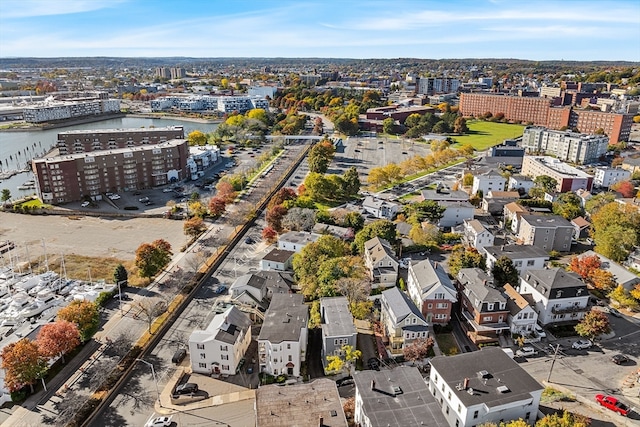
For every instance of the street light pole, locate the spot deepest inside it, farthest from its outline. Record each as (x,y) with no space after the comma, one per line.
(120,294)
(155,379)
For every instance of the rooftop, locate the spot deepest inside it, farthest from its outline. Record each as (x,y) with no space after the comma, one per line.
(516,251)
(337,319)
(559,167)
(556,279)
(285,318)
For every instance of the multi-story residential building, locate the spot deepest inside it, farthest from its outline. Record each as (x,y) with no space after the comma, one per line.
(401,320)
(431,290)
(177,73)
(249,289)
(395,397)
(162,72)
(379,208)
(560,296)
(86,141)
(569,146)
(225,104)
(309,404)
(69,178)
(539,111)
(520,183)
(433,85)
(282,343)
(63,110)
(219,348)
(488,181)
(548,232)
(568,177)
(483,387)
(606,177)
(476,235)
(337,326)
(524,257)
(522,315)
(381,262)
(512,214)
(483,307)
(456,203)
(296,240)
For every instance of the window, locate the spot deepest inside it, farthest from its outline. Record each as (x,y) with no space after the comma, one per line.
(200,346)
(429,305)
(487,319)
(449,396)
(202,365)
(475,415)
(289,346)
(439,296)
(531,262)
(224,357)
(517,264)
(203,355)
(459,410)
(447,411)
(290,358)
(442,305)
(490,307)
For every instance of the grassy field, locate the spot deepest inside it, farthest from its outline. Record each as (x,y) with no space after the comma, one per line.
(447,344)
(483,135)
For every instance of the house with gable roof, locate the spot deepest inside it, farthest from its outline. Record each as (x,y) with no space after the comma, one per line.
(381,262)
(431,290)
(219,348)
(476,235)
(560,296)
(380,208)
(249,289)
(337,326)
(401,320)
(522,316)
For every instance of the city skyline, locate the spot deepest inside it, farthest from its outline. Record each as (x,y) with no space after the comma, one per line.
(537,30)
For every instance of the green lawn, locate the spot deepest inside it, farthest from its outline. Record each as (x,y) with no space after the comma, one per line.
(447,344)
(483,135)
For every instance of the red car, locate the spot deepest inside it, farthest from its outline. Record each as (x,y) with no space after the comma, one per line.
(612,403)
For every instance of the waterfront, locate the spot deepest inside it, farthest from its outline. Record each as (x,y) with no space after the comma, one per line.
(17,148)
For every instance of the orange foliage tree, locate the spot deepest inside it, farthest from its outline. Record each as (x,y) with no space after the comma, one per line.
(625,188)
(217,205)
(225,191)
(58,339)
(23,364)
(585,266)
(84,314)
(269,234)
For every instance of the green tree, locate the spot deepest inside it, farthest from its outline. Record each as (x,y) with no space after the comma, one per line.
(351,182)
(624,298)
(389,126)
(568,205)
(594,323)
(599,200)
(546,183)
(382,228)
(426,235)
(467,179)
(505,272)
(315,319)
(120,274)
(197,138)
(333,270)
(307,262)
(151,258)
(354,220)
(6,195)
(465,257)
(320,156)
(427,210)
(615,230)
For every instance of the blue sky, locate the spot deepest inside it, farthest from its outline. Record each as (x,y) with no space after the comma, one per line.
(536,30)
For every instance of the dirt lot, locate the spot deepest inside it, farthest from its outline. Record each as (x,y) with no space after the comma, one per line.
(90,236)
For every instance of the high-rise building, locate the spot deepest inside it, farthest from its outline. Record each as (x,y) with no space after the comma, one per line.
(84,141)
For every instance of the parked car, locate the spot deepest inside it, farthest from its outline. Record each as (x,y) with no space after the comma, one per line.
(526,352)
(115,197)
(187,388)
(218,289)
(541,333)
(159,422)
(614,312)
(85,204)
(581,345)
(143,199)
(249,241)
(179,355)
(620,359)
(613,404)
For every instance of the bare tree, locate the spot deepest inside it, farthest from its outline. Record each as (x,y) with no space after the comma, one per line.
(242,213)
(150,308)
(299,219)
(354,289)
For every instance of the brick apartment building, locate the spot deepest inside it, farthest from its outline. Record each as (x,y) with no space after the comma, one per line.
(73,177)
(540,111)
(85,141)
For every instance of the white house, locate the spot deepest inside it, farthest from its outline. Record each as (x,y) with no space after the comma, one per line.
(296,240)
(606,177)
(401,320)
(488,181)
(560,296)
(219,348)
(431,290)
(522,317)
(379,208)
(484,386)
(524,257)
(277,259)
(381,262)
(476,235)
(249,289)
(282,343)
(520,183)
(455,213)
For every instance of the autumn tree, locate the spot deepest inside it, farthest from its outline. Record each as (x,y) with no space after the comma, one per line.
(345,360)
(594,323)
(546,183)
(23,364)
(623,297)
(274,217)
(217,206)
(460,126)
(504,271)
(151,258)
(320,156)
(353,220)
(616,230)
(585,266)
(269,234)
(465,257)
(603,280)
(565,419)
(58,338)
(197,138)
(382,228)
(418,349)
(425,234)
(625,188)
(150,308)
(84,314)
(225,191)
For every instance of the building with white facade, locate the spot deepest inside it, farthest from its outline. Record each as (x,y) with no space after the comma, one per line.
(433,85)
(568,146)
(456,204)
(476,235)
(401,320)
(381,262)
(63,110)
(431,290)
(488,181)
(606,177)
(380,208)
(219,348)
(520,183)
(568,177)
(560,296)
(484,386)
(282,343)
(337,326)
(522,317)
(222,103)
(296,240)
(524,257)
(277,259)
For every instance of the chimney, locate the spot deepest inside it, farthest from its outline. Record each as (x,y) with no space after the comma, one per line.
(502,248)
(373,384)
(465,384)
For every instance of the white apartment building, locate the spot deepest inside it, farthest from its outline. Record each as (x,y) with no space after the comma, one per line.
(476,235)
(488,181)
(219,348)
(296,240)
(524,257)
(569,146)
(568,177)
(606,177)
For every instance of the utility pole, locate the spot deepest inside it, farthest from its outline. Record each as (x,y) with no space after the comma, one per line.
(553,361)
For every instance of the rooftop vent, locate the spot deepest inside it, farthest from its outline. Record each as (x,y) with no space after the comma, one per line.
(470,391)
(503,389)
(397,390)
(484,374)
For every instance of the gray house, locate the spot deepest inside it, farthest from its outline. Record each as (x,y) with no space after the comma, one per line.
(337,327)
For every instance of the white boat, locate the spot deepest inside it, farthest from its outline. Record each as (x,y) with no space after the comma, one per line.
(18,303)
(44,300)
